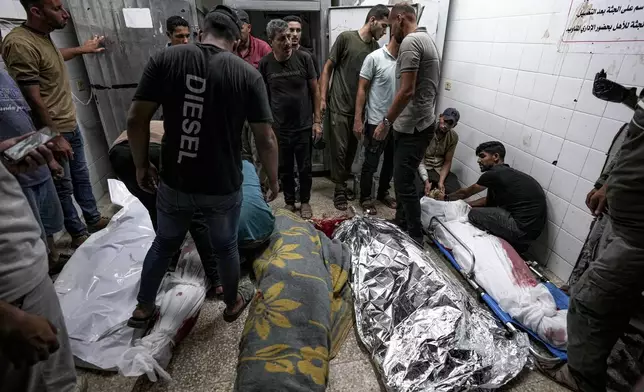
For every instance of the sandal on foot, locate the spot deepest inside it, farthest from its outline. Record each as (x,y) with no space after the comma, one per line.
(306,212)
(340,200)
(290,207)
(369,207)
(142,316)
(246,291)
(388,201)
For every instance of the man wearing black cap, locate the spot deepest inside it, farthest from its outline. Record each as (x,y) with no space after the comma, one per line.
(434,170)
(206,93)
(250,49)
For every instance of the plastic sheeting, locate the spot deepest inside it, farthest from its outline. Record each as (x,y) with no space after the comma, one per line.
(424,332)
(499,270)
(97,291)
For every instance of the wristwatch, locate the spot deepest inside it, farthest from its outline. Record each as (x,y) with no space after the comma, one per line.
(386,123)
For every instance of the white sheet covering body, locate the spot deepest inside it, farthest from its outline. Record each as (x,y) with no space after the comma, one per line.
(97,291)
(499,270)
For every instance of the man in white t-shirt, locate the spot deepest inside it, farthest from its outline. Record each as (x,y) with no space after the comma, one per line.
(377,86)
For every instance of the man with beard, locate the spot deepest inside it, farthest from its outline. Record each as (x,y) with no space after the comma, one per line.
(295,28)
(38,67)
(412,112)
(515,206)
(345,61)
(434,171)
(293,93)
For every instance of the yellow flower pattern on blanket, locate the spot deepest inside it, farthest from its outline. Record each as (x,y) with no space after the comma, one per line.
(312,362)
(276,255)
(315,363)
(267,310)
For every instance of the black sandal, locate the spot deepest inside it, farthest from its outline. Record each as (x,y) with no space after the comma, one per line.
(388,201)
(246,290)
(369,207)
(340,200)
(143,322)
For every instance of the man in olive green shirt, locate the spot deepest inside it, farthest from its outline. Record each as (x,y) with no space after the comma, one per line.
(434,170)
(345,61)
(38,67)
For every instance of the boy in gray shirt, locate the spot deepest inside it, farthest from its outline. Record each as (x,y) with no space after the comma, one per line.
(412,112)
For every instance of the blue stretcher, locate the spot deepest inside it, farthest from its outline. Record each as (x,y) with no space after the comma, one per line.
(561,298)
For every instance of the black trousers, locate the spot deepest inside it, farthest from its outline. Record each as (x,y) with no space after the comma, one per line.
(295,147)
(500,222)
(373,149)
(409,150)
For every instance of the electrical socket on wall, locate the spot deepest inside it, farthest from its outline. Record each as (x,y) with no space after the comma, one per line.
(80,85)
(448,86)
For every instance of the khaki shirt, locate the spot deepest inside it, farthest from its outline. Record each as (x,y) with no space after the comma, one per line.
(32,58)
(156,134)
(438,149)
(436,153)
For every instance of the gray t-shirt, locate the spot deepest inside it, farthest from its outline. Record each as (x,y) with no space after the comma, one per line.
(418,53)
(379,68)
(23,264)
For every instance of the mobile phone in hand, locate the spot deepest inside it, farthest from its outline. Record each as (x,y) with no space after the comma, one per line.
(20,150)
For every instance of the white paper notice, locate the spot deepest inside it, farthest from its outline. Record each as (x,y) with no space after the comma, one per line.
(137,18)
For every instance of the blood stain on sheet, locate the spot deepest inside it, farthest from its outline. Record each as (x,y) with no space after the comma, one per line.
(520,271)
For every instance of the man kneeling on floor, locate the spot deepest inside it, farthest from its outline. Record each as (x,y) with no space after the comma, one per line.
(256,220)
(515,206)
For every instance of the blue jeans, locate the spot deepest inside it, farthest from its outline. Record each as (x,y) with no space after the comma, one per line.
(46,207)
(76,184)
(175,210)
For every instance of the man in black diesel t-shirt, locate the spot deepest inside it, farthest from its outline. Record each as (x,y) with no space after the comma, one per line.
(206,93)
(515,206)
(293,93)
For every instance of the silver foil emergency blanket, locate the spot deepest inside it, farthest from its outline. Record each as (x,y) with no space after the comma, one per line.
(423,330)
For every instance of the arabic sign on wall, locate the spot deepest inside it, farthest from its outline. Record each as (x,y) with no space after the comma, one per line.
(605,21)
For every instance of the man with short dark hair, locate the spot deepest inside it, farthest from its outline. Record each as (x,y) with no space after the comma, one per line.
(515,206)
(435,169)
(205,99)
(411,114)
(293,92)
(250,48)
(344,63)
(177,30)
(376,91)
(38,67)
(295,28)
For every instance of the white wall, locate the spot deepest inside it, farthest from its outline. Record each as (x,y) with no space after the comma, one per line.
(95,145)
(510,83)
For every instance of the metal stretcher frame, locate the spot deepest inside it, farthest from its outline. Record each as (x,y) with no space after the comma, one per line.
(509,323)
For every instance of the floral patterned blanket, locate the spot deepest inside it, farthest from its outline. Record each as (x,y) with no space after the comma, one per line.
(301,314)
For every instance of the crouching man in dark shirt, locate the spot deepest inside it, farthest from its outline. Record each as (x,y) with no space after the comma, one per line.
(293,92)
(515,206)
(206,93)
